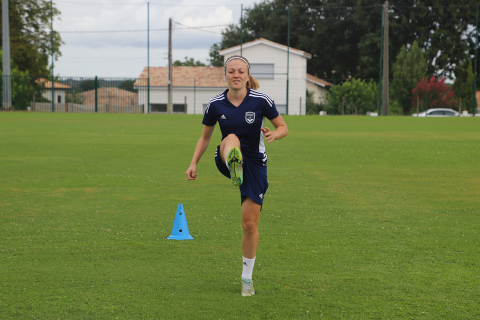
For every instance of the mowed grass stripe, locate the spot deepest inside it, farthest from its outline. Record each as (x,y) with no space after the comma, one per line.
(364,218)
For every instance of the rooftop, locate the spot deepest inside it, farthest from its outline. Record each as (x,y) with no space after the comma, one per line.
(203,77)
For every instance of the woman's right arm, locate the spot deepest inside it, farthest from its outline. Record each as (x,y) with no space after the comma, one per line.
(202,145)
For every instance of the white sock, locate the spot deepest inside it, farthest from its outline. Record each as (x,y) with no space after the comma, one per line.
(248,268)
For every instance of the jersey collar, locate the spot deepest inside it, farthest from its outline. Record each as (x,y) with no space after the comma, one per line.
(244,99)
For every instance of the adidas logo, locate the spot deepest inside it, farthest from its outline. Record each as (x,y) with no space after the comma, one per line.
(223,117)
(261,195)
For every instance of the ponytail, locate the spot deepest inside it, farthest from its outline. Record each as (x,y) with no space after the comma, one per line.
(253,83)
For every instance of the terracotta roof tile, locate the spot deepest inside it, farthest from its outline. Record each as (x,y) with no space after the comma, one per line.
(318,80)
(205,77)
(48,84)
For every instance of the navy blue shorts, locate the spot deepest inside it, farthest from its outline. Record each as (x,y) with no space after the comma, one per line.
(255,177)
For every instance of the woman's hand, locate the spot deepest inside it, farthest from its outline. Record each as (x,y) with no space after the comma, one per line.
(202,145)
(191,172)
(269,135)
(280,131)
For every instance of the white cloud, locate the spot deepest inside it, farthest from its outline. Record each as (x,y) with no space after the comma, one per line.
(110,39)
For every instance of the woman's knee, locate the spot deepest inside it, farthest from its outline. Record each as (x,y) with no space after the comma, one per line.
(231,138)
(250,226)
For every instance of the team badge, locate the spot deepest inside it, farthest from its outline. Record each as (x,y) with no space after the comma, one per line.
(250,117)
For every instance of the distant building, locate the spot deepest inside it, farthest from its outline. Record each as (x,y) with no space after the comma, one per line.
(59,90)
(269,61)
(193,87)
(109,96)
(319,88)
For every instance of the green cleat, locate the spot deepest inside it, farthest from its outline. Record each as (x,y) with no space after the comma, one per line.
(234,163)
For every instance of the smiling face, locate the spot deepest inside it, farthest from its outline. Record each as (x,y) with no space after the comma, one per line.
(236,74)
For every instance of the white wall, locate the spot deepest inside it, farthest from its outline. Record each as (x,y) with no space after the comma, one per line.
(319,93)
(58,92)
(196,98)
(277,87)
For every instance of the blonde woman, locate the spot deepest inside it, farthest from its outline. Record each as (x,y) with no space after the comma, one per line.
(241,111)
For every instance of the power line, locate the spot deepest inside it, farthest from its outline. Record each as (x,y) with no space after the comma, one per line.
(145,30)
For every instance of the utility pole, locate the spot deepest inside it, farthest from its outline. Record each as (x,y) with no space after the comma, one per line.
(385,96)
(7,80)
(169,104)
(148,58)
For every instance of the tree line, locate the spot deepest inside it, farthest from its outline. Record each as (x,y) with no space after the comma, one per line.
(344,38)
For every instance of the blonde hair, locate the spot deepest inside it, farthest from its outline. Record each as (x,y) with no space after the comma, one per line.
(252,83)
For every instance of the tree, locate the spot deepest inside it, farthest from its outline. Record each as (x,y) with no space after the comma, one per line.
(463,85)
(439,94)
(442,29)
(409,68)
(127,85)
(21,86)
(189,63)
(86,85)
(230,38)
(216,60)
(359,96)
(344,35)
(30,35)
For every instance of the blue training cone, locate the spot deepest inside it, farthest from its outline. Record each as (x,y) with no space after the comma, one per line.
(180,226)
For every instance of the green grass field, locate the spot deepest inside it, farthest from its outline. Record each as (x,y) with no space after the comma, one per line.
(365,218)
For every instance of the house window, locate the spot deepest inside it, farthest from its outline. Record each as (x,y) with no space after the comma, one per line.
(179,108)
(162,107)
(262,70)
(158,107)
(59,99)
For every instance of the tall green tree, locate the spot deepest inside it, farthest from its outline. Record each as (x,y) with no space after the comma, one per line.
(230,38)
(409,68)
(30,41)
(22,86)
(442,29)
(463,85)
(344,35)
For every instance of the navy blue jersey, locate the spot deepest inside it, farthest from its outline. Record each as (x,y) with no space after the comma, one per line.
(244,121)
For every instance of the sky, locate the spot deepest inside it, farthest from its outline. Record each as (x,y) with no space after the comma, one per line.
(109,38)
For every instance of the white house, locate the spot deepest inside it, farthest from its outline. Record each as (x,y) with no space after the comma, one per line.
(268,63)
(58,90)
(193,87)
(319,88)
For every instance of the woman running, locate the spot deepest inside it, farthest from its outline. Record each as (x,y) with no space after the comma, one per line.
(241,111)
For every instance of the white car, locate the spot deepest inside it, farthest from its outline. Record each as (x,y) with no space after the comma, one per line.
(440,112)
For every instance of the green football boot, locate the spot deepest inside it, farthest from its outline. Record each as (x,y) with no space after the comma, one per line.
(234,163)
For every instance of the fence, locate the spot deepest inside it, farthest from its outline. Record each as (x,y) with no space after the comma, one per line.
(75,95)
(378,58)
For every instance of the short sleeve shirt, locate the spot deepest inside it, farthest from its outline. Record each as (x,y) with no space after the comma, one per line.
(244,121)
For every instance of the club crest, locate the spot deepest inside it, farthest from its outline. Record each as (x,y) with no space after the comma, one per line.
(250,117)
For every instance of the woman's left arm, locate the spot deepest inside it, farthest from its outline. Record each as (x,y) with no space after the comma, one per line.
(280,131)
